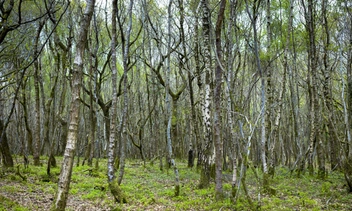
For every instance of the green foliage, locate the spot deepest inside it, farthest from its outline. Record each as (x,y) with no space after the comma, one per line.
(325,189)
(94,194)
(7,204)
(149,189)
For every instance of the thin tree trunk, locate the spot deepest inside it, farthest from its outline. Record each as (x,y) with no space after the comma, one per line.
(113,183)
(25,115)
(330,134)
(217,100)
(193,127)
(199,83)
(269,112)
(168,105)
(126,49)
(228,93)
(66,169)
(92,118)
(47,109)
(263,142)
(313,96)
(37,130)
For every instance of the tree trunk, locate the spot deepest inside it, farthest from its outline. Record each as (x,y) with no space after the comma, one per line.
(199,84)
(206,100)
(347,162)
(331,136)
(126,49)
(7,160)
(217,100)
(193,128)
(269,112)
(168,105)
(47,118)
(263,108)
(113,182)
(37,130)
(234,146)
(25,116)
(66,169)
(348,109)
(313,95)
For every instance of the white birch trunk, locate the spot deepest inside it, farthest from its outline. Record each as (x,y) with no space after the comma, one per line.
(66,169)
(207,152)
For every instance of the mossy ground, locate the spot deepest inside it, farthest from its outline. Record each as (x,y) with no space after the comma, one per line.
(148,188)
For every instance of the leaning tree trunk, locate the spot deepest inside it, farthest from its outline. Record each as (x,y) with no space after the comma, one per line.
(66,169)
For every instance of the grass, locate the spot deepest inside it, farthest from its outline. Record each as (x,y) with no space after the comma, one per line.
(148,188)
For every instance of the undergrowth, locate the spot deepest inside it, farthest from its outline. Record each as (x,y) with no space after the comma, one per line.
(148,188)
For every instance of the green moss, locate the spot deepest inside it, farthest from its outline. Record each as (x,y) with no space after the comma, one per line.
(148,188)
(177,190)
(117,192)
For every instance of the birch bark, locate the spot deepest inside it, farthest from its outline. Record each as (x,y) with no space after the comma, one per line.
(66,169)
(206,100)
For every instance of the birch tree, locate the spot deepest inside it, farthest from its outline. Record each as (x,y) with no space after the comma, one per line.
(67,164)
(126,49)
(253,16)
(219,145)
(206,100)
(113,183)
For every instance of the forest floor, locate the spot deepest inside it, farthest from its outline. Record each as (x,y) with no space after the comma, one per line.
(148,188)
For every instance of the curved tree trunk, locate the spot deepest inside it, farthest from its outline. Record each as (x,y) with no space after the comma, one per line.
(66,169)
